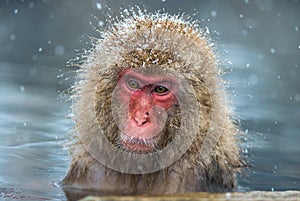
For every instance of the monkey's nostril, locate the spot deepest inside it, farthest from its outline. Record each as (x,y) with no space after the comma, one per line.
(147,113)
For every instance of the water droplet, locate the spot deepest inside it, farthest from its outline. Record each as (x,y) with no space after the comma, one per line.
(40,49)
(272,50)
(247,65)
(100,23)
(163,0)
(25,124)
(16,11)
(298,46)
(213,13)
(98,6)
(275,122)
(49,42)
(296,28)
(70,115)
(207,30)
(272,189)
(241,16)
(278,76)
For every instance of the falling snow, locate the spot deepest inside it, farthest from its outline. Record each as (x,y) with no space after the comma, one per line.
(213,13)
(22,88)
(31,5)
(297,97)
(98,6)
(253,79)
(12,37)
(59,50)
(272,50)
(100,23)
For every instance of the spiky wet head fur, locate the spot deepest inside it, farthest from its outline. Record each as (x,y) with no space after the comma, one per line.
(171,42)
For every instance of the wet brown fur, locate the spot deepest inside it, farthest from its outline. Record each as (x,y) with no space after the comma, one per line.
(171,43)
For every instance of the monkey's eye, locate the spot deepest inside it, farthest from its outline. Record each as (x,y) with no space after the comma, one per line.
(160,90)
(133,85)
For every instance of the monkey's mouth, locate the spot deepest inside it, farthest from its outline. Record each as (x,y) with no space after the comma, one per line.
(138,145)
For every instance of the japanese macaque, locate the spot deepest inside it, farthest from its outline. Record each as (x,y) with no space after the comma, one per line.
(151,113)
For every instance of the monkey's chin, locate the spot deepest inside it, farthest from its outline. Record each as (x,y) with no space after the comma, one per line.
(138,145)
(137,148)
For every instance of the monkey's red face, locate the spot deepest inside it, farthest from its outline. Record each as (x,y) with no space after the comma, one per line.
(145,101)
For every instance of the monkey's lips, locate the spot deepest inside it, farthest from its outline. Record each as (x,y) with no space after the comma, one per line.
(138,145)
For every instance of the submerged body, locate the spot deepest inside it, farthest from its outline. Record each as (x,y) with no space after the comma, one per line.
(140,109)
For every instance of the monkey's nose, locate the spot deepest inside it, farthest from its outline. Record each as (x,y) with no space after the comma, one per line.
(142,119)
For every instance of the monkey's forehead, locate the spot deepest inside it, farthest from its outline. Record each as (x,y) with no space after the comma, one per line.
(145,39)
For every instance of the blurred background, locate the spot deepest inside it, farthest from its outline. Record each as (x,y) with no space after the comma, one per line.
(258,42)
